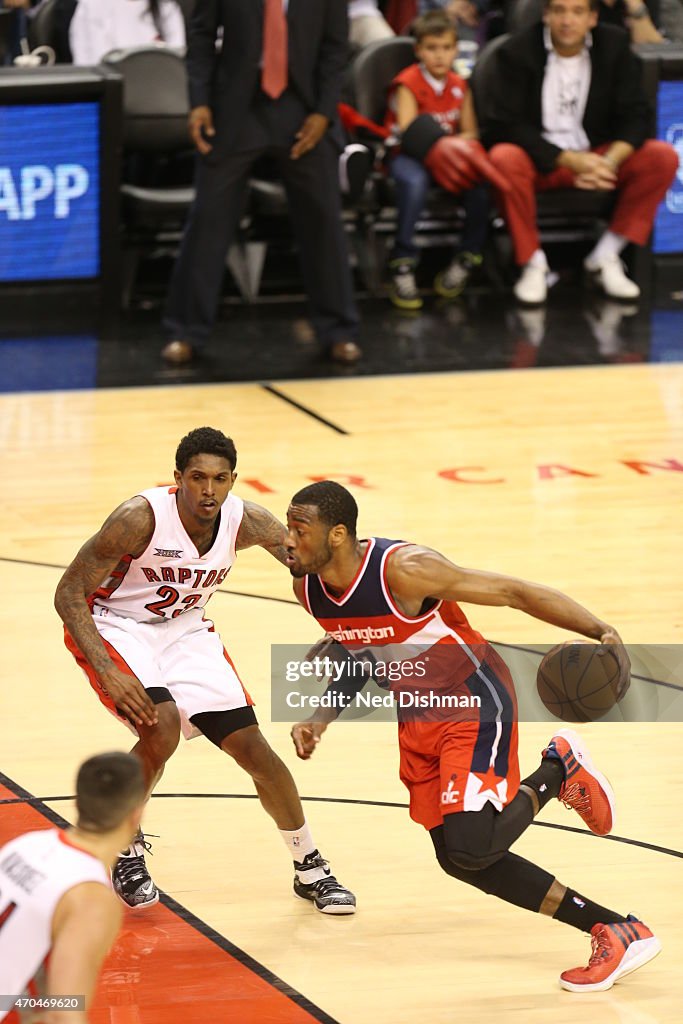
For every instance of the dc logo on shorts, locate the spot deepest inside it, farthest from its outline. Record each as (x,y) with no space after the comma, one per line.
(450,795)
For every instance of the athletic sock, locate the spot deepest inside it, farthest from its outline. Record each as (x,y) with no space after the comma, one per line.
(299,842)
(546,781)
(609,244)
(582,913)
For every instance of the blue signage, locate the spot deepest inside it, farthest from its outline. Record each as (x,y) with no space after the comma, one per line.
(48,363)
(668,232)
(49,191)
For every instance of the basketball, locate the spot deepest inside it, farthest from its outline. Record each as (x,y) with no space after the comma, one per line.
(577,681)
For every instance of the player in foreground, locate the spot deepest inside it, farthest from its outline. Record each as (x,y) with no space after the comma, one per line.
(132,602)
(390,601)
(58,914)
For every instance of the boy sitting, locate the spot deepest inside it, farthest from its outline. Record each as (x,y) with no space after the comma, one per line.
(427,102)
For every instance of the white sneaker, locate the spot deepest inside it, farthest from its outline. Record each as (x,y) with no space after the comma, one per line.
(531,287)
(611,277)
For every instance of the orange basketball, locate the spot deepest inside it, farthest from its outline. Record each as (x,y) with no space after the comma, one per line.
(577,681)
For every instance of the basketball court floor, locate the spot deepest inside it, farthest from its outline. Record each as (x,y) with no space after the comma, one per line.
(571,476)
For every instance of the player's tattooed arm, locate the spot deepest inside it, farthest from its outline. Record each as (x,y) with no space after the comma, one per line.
(259,526)
(127,531)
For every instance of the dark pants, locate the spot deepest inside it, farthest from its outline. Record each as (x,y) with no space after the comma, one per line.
(314,202)
(13,30)
(413,182)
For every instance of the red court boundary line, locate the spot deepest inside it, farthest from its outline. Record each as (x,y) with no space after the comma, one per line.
(272,996)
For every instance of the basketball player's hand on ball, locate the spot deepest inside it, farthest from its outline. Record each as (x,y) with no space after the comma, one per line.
(130,696)
(306,737)
(612,639)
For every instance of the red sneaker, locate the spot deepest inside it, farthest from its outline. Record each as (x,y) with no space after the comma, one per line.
(617,949)
(585,789)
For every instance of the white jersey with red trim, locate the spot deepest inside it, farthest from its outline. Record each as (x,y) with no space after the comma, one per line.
(36,869)
(170,576)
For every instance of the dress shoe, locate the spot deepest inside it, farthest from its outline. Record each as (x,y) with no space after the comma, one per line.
(346,352)
(177,352)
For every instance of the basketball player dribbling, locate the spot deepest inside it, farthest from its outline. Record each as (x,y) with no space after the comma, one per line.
(58,914)
(461,770)
(132,602)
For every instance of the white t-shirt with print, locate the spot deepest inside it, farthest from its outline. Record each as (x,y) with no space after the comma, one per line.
(563,99)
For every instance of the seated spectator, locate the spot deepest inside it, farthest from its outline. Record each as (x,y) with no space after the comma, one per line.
(99,26)
(570,112)
(430,88)
(640,18)
(367,23)
(476,22)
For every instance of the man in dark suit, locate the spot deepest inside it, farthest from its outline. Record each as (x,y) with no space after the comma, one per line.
(569,111)
(271,87)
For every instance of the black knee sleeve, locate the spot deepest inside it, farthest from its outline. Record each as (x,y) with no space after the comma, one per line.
(508,877)
(469,839)
(463,864)
(473,861)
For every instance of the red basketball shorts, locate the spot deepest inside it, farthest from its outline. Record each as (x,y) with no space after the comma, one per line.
(463,765)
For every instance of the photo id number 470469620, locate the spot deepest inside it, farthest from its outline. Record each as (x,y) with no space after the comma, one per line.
(9,1002)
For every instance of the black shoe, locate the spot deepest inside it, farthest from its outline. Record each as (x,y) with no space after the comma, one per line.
(326,893)
(130,877)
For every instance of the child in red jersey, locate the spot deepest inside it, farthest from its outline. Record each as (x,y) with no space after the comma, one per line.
(432,87)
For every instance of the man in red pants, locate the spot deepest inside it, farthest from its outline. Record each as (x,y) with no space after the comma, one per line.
(570,112)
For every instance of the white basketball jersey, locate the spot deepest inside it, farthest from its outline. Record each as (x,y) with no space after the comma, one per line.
(170,576)
(35,871)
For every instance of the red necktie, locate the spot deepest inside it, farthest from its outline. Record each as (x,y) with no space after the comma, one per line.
(274,70)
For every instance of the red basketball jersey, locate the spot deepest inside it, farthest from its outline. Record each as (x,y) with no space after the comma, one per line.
(445,106)
(437,650)
(453,758)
